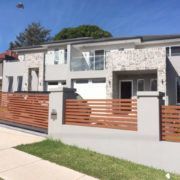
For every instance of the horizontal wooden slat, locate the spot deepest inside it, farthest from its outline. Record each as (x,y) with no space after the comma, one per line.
(101,107)
(102,103)
(111,100)
(101,115)
(103,119)
(25,108)
(170,123)
(108,113)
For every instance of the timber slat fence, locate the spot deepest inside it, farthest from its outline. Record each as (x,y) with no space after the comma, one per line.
(107,113)
(25,109)
(170,123)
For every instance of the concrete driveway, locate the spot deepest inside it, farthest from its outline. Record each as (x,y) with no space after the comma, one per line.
(17,165)
(10,137)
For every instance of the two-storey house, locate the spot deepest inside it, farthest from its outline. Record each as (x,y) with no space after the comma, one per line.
(99,68)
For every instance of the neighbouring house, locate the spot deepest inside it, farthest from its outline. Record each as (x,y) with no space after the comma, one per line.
(8,56)
(99,68)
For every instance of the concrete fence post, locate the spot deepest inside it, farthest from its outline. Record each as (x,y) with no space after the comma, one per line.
(56,109)
(148,109)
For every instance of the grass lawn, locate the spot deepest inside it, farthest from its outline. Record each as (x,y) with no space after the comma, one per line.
(92,163)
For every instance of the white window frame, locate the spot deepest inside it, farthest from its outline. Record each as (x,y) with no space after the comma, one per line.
(143,84)
(170,50)
(120,87)
(56,61)
(151,84)
(92,53)
(65,55)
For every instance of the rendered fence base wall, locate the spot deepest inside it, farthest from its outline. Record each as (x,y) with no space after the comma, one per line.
(123,144)
(142,146)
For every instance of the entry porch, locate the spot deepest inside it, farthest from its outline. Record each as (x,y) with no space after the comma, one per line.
(125,84)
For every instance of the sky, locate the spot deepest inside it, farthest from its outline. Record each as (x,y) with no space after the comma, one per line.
(120,17)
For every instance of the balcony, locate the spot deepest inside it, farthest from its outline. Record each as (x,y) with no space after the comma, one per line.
(90,63)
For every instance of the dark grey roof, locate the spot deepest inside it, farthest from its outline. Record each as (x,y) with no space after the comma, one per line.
(55,42)
(83,40)
(144,38)
(69,40)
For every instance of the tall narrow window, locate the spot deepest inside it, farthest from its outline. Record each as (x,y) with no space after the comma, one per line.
(99,60)
(178,90)
(19,80)
(140,84)
(65,56)
(10,83)
(153,84)
(56,56)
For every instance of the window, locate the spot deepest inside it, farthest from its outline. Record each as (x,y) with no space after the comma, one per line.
(53,83)
(99,59)
(175,51)
(98,80)
(10,83)
(178,90)
(65,56)
(56,56)
(81,81)
(140,84)
(19,80)
(153,84)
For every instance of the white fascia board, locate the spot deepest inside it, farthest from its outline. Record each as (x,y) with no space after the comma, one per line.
(30,50)
(106,43)
(167,42)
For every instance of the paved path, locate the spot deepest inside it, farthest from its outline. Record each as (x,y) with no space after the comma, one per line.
(17,165)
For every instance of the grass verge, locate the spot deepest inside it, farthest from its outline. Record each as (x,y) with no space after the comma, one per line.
(92,163)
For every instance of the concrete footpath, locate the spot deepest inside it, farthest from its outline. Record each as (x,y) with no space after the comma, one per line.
(17,165)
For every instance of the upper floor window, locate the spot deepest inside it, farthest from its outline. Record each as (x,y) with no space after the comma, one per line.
(65,56)
(90,60)
(60,56)
(173,51)
(99,60)
(56,56)
(10,83)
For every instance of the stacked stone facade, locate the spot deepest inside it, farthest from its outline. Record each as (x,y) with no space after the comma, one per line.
(136,60)
(34,60)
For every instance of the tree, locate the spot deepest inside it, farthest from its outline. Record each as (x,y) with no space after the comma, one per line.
(82,31)
(34,34)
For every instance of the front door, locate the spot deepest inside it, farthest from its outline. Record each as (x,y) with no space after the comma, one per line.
(125,89)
